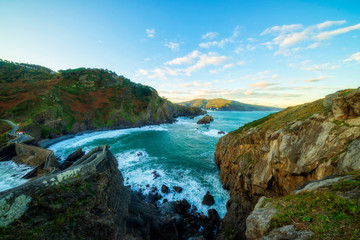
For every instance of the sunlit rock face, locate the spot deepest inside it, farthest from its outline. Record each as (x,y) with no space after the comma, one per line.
(282,152)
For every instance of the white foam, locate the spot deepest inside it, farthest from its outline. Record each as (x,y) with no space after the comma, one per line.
(138,172)
(213,133)
(11,174)
(81,140)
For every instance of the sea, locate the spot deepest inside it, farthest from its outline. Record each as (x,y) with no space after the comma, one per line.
(178,154)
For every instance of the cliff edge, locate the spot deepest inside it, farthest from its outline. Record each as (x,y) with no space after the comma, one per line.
(277,154)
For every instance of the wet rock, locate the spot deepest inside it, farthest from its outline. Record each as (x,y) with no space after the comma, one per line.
(154,197)
(221,132)
(177,189)
(213,216)
(165,189)
(139,154)
(205,120)
(208,199)
(155,174)
(183,207)
(164,201)
(192,117)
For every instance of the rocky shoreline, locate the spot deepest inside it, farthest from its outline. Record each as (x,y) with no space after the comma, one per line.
(88,199)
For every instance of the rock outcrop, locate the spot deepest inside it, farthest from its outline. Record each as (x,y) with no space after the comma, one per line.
(275,155)
(205,120)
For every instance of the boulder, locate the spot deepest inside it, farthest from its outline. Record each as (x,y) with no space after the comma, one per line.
(165,189)
(288,232)
(208,199)
(206,120)
(177,189)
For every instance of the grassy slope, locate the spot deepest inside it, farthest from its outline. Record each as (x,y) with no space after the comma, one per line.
(224,104)
(328,214)
(36,97)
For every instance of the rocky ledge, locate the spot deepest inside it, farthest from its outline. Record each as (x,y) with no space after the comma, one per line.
(275,155)
(88,200)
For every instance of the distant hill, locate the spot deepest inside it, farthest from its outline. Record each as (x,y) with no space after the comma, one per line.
(226,105)
(47,104)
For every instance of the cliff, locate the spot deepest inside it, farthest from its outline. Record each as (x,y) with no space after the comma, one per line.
(277,154)
(47,104)
(226,105)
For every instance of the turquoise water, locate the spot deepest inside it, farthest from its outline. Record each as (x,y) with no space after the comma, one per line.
(182,153)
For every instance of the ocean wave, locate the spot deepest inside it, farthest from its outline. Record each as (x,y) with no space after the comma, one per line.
(11,174)
(213,133)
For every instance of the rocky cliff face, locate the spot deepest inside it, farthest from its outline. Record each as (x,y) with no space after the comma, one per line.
(275,155)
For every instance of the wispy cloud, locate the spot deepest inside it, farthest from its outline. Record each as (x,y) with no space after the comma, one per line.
(317,79)
(222,42)
(286,37)
(320,67)
(329,34)
(241,63)
(150,32)
(172,45)
(226,66)
(354,57)
(262,85)
(210,35)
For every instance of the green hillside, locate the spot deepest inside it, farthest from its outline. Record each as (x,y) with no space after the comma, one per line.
(226,105)
(48,104)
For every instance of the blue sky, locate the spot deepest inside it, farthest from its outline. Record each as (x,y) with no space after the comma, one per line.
(278,53)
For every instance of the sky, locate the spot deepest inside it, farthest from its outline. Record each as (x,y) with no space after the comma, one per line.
(275,53)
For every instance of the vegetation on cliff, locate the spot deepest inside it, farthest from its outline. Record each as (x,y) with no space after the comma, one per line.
(48,104)
(226,105)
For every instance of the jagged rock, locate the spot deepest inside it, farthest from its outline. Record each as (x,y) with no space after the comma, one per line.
(288,232)
(72,158)
(314,185)
(164,189)
(177,189)
(206,120)
(208,199)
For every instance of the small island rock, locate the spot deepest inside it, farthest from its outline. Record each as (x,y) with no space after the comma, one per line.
(206,120)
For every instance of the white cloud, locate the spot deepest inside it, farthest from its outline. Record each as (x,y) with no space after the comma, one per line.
(150,32)
(205,60)
(329,24)
(354,57)
(329,34)
(172,45)
(186,59)
(238,50)
(286,37)
(142,72)
(241,63)
(195,58)
(222,42)
(210,35)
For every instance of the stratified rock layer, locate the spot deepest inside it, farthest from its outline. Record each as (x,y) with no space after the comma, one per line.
(275,155)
